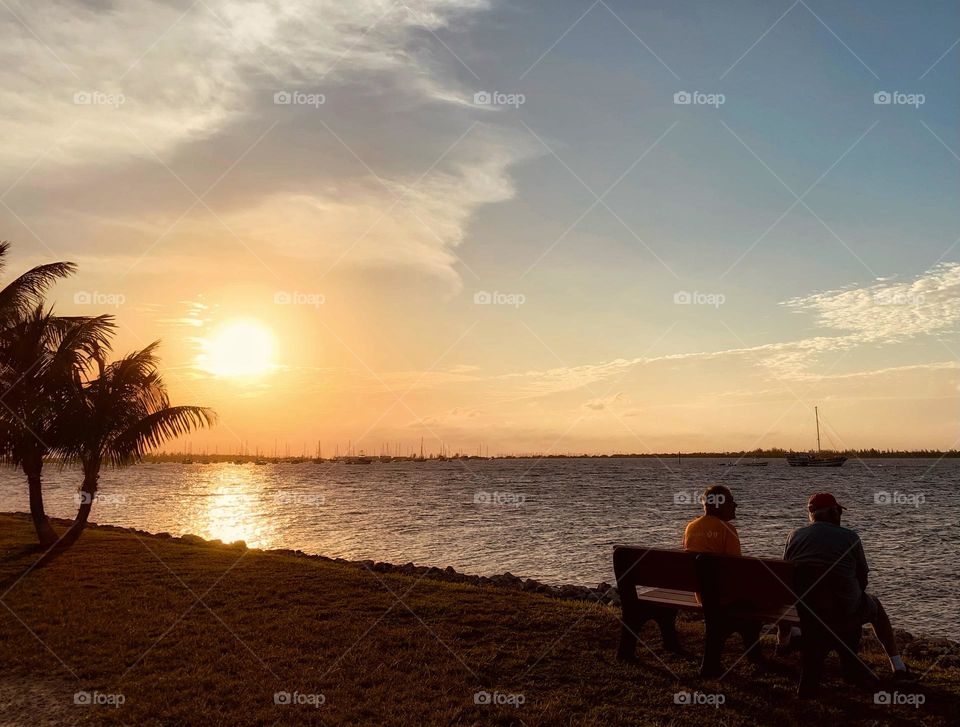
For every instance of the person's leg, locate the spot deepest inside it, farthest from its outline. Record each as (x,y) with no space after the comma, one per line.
(884,631)
(787,638)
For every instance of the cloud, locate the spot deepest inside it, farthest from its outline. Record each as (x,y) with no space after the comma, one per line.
(604,402)
(174,71)
(407,220)
(149,96)
(885,313)
(890,312)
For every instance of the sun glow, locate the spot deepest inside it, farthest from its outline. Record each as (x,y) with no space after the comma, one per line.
(238,349)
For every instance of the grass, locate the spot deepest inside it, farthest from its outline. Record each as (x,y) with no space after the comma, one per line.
(201,634)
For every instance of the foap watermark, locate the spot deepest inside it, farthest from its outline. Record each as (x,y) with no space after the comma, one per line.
(900,698)
(699,98)
(899,98)
(299,98)
(685,497)
(495,297)
(306,499)
(689,699)
(911,499)
(498,98)
(695,297)
(99,699)
(98,297)
(499,698)
(886,297)
(99,98)
(295,297)
(99,498)
(315,700)
(515,499)
(240,500)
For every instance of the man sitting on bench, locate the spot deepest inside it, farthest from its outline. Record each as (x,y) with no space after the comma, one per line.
(713,532)
(826,544)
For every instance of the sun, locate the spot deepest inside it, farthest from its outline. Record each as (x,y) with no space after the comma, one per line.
(240,348)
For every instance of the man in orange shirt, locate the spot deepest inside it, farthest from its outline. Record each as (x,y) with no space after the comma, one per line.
(713,532)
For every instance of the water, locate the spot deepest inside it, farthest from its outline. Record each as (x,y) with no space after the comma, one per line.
(555,520)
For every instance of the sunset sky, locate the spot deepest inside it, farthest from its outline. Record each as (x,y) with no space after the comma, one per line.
(338,238)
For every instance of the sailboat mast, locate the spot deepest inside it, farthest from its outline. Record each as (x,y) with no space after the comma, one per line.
(816,414)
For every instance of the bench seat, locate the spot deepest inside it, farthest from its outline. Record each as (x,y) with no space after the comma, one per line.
(687,601)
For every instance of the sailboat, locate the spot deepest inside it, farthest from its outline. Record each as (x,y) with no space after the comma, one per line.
(810,459)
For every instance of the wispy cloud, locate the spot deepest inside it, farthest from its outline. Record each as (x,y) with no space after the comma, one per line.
(890,311)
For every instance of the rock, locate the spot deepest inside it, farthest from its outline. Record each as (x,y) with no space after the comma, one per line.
(239,544)
(164,535)
(192,539)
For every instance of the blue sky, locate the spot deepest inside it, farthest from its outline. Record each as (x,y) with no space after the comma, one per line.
(146,142)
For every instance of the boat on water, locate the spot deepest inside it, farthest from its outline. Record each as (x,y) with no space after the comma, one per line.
(815,459)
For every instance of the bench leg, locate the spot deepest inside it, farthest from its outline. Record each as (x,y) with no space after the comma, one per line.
(750,633)
(813,652)
(854,670)
(627,649)
(666,619)
(715,636)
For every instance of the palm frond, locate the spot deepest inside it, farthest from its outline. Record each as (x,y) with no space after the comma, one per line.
(156,428)
(26,291)
(81,340)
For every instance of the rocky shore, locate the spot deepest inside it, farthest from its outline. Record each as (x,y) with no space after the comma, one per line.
(603,593)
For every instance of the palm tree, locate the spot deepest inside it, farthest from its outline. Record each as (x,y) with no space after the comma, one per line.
(43,356)
(117,418)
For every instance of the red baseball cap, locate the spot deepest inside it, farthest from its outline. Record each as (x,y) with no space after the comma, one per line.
(821,501)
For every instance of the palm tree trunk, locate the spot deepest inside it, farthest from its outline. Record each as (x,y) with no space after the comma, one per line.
(32,467)
(88,493)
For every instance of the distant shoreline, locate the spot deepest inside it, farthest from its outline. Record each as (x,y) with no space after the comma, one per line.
(766,454)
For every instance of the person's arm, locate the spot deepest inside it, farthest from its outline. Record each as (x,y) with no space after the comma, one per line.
(732,544)
(686,530)
(786,546)
(861,562)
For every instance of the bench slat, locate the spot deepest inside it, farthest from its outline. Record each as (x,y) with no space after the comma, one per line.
(687,601)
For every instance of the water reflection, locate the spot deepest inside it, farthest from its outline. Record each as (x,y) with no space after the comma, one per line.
(556,521)
(229,503)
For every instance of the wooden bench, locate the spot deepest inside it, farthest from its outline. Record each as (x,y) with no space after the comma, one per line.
(734,594)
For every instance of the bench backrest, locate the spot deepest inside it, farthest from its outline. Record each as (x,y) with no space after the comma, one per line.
(675,569)
(729,578)
(720,578)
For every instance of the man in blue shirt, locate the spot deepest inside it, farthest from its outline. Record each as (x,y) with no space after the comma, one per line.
(824,542)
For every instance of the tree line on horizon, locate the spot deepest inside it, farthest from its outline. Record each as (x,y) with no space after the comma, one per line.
(62,401)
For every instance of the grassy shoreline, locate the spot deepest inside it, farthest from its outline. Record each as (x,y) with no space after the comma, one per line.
(190,632)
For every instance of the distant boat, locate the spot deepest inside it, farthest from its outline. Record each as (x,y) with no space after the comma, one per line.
(817,459)
(352,459)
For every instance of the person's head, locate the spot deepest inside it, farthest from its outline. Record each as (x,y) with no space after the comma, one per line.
(718,501)
(823,507)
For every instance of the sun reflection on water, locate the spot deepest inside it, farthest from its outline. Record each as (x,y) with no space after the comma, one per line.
(234,507)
